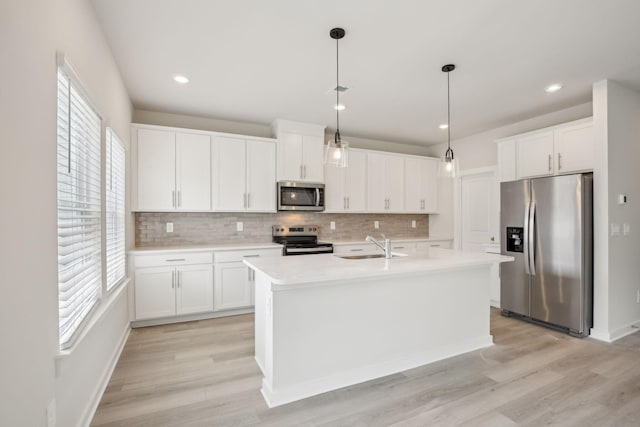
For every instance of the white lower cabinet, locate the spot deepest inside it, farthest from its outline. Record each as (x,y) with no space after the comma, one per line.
(425,245)
(170,285)
(233,280)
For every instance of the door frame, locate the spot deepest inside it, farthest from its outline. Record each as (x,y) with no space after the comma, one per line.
(457,200)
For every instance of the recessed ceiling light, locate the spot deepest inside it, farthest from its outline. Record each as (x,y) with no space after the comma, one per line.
(553,88)
(339,107)
(443,126)
(181,79)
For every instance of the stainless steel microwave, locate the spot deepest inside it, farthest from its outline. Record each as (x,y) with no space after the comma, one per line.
(300,196)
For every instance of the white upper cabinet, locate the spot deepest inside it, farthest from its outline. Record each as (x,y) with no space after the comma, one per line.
(173,171)
(300,151)
(385,183)
(346,188)
(561,149)
(574,147)
(244,175)
(421,184)
(535,154)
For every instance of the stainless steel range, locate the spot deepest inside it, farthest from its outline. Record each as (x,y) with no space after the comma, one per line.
(300,240)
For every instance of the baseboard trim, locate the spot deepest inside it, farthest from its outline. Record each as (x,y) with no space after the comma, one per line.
(616,334)
(189,317)
(104,381)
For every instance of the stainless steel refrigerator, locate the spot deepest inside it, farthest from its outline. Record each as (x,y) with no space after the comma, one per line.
(547,226)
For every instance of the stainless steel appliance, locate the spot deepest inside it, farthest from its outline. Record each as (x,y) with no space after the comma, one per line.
(547,226)
(300,240)
(300,196)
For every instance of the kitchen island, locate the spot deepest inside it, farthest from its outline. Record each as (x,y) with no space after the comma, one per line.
(323,322)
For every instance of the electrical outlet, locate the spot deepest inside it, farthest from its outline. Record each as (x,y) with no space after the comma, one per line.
(413,223)
(239,226)
(169,227)
(332,225)
(51,413)
(376,224)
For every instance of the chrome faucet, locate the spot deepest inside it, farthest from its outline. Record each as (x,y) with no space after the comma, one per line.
(386,246)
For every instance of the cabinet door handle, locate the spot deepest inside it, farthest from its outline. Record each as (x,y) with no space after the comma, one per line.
(178,279)
(549,162)
(348,203)
(173,279)
(300,171)
(173,199)
(248,200)
(344,203)
(179,198)
(304,169)
(559,164)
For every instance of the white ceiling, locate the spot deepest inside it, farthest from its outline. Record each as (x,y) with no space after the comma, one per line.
(258,60)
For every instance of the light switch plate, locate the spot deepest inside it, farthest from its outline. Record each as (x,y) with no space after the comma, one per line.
(239,226)
(169,227)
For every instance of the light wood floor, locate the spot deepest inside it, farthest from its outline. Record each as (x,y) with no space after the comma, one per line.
(203,374)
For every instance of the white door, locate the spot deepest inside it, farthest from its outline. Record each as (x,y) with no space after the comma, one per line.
(155,294)
(261,176)
(395,183)
(193,178)
(376,183)
(231,174)
(289,157)
(356,182)
(194,285)
(479,211)
(313,158)
(574,148)
(535,154)
(335,198)
(156,170)
(232,287)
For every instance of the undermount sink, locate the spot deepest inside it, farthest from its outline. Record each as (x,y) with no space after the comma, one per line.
(367,256)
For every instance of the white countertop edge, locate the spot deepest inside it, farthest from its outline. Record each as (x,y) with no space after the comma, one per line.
(398,240)
(431,265)
(204,248)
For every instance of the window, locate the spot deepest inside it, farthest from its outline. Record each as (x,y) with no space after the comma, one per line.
(79,207)
(114,212)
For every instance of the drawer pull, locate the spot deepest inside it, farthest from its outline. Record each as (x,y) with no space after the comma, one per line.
(435,246)
(250,256)
(398,247)
(176,260)
(357,250)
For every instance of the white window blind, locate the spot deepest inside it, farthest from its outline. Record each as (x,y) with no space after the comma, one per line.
(79,209)
(115,187)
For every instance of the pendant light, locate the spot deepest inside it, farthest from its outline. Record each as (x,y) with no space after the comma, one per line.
(448,167)
(336,150)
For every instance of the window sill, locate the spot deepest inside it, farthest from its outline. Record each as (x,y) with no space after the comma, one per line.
(104,306)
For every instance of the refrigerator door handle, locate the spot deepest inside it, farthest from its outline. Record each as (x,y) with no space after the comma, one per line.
(532,239)
(525,240)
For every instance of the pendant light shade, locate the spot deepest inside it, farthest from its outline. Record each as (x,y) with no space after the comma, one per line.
(448,166)
(336,151)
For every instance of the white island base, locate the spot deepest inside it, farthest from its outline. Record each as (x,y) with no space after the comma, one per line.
(321,331)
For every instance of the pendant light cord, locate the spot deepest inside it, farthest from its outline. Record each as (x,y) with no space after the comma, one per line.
(448,113)
(337,138)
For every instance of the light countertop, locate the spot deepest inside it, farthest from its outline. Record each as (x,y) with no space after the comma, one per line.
(205,247)
(393,240)
(287,272)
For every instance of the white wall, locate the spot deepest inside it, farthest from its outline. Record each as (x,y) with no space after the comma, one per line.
(617,124)
(31,31)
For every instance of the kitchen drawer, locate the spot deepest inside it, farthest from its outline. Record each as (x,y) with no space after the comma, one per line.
(445,244)
(403,246)
(235,256)
(173,258)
